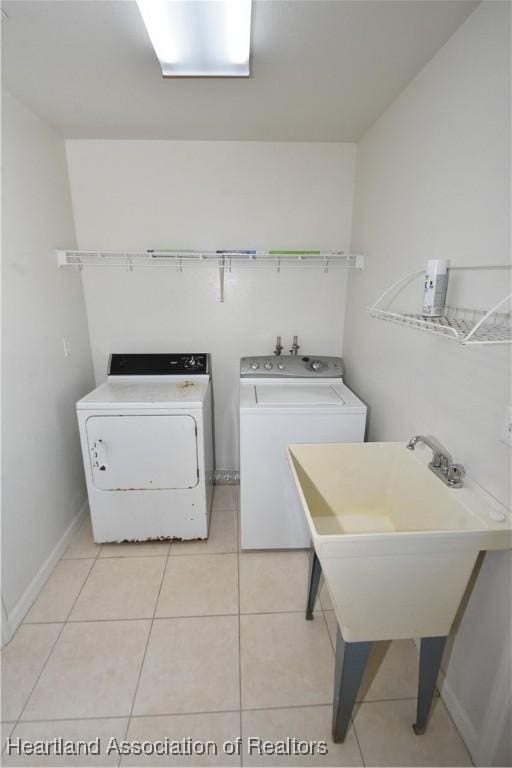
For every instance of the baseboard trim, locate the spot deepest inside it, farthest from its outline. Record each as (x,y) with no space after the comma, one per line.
(12,620)
(459,717)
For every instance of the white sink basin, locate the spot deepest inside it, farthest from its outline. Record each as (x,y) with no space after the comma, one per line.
(396,545)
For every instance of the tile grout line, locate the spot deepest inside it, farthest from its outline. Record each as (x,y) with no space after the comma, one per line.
(175,616)
(36,598)
(60,560)
(352,719)
(66,620)
(170,714)
(438,687)
(239,552)
(439,697)
(328,632)
(239,636)
(57,638)
(145,651)
(202,712)
(89,718)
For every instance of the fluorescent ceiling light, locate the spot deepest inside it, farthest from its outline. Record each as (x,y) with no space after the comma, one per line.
(199,38)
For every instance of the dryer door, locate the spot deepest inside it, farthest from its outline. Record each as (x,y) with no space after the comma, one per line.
(129,453)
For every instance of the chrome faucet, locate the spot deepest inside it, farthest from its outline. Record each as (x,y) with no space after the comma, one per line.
(295,346)
(441,464)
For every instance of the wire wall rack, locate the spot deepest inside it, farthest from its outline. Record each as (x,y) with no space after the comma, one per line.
(180,259)
(223,260)
(462,324)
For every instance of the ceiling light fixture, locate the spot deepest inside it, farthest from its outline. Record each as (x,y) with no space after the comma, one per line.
(199,38)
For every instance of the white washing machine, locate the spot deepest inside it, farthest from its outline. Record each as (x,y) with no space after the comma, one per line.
(147,446)
(283,400)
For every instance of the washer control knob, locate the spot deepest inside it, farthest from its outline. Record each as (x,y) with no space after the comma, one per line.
(268,365)
(316,365)
(281,366)
(255,366)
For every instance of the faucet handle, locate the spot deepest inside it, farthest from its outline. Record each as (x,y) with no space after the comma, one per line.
(295,346)
(437,459)
(455,474)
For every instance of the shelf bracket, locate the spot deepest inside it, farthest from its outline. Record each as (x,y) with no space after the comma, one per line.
(222,270)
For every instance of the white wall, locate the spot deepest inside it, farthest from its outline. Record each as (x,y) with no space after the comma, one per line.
(160,194)
(43,486)
(433,179)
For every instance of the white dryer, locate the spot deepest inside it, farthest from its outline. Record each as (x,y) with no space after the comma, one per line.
(283,400)
(147,446)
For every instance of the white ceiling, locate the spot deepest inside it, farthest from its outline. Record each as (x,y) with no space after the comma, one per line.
(322,70)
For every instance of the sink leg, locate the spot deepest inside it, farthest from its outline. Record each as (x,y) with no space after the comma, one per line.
(431,653)
(351,661)
(315,571)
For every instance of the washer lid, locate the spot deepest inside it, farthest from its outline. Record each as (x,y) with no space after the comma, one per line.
(297,395)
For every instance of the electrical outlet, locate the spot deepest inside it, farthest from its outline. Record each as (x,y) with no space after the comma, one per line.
(506,435)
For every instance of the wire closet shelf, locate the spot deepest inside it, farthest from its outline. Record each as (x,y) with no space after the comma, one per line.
(226,259)
(462,324)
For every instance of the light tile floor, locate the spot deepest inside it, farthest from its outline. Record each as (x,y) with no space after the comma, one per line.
(198,640)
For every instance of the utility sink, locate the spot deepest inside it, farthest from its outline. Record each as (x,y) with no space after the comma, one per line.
(396,545)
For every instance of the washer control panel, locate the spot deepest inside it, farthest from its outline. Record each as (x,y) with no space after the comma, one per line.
(292,366)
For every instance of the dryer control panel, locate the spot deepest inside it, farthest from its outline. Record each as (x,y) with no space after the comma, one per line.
(167,364)
(292,366)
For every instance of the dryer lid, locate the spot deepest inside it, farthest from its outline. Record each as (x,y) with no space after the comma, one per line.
(300,395)
(166,392)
